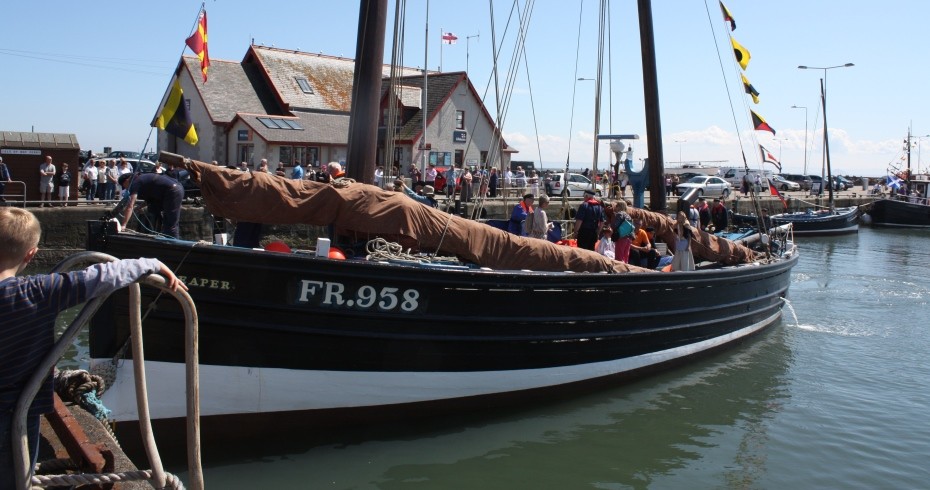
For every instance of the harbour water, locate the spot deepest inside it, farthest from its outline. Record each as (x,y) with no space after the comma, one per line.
(835,396)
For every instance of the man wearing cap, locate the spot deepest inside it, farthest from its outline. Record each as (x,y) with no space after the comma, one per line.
(519,214)
(429,194)
(162,195)
(588,220)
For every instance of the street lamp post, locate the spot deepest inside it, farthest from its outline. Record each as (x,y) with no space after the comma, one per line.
(805,135)
(680,161)
(826,140)
(780,140)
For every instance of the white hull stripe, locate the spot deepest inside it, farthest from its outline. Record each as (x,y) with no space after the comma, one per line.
(241,390)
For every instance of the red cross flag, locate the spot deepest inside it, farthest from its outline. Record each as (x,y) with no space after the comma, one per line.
(449,38)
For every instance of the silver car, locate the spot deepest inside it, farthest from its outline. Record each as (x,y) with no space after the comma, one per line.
(706,186)
(572,186)
(784,184)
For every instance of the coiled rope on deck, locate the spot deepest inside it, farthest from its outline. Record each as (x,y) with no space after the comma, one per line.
(381,249)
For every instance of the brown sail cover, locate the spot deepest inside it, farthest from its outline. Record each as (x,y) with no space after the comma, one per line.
(703,245)
(363,212)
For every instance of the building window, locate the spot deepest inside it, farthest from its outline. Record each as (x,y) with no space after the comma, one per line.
(304,85)
(245,153)
(484,158)
(441,158)
(284,156)
(459,119)
(278,123)
(313,156)
(459,157)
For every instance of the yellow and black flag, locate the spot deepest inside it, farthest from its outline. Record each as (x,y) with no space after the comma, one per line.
(175,118)
(759,124)
(742,54)
(750,89)
(727,16)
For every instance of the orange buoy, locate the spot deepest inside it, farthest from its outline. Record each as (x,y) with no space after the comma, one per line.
(278,247)
(335,253)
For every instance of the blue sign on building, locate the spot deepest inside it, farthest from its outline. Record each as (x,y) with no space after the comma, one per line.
(459,136)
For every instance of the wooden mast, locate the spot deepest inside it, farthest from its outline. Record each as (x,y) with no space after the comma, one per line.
(366,90)
(656,172)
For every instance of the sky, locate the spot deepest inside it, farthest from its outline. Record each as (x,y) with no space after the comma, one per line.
(99,70)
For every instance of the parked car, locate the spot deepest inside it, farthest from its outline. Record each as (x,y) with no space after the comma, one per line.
(569,185)
(841,183)
(803,180)
(706,186)
(784,184)
(817,180)
(125,154)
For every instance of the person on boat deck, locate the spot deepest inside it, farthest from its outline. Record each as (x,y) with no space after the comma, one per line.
(298,172)
(27,324)
(428,198)
(430,176)
(334,170)
(693,216)
(519,214)
(703,213)
(162,195)
(588,220)
(537,223)
(683,259)
(718,215)
(621,243)
(642,252)
(244,167)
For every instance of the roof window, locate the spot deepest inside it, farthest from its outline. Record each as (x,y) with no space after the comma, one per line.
(304,85)
(277,123)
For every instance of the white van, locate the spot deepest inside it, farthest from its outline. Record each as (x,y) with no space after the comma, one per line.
(734,175)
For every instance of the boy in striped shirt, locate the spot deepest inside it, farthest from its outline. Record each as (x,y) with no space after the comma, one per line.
(28,308)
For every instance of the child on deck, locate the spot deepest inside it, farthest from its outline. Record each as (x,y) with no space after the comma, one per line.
(28,308)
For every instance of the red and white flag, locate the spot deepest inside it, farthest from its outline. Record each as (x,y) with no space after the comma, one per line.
(449,38)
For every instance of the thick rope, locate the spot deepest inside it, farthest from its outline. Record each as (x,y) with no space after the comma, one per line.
(381,249)
(83,388)
(172,482)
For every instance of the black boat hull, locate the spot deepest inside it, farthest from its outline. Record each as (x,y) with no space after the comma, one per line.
(842,221)
(292,333)
(900,214)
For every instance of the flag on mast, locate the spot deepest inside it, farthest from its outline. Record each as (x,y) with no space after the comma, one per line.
(175,118)
(727,16)
(774,191)
(449,38)
(767,157)
(759,124)
(741,53)
(198,44)
(750,89)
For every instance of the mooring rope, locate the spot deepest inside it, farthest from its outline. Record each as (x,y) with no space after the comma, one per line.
(102,479)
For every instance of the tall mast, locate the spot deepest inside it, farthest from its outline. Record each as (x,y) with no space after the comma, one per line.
(366,90)
(424,152)
(651,95)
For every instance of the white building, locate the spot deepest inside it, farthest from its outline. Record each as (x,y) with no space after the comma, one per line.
(289,106)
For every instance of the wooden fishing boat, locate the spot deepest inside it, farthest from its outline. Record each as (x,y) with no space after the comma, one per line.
(296,333)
